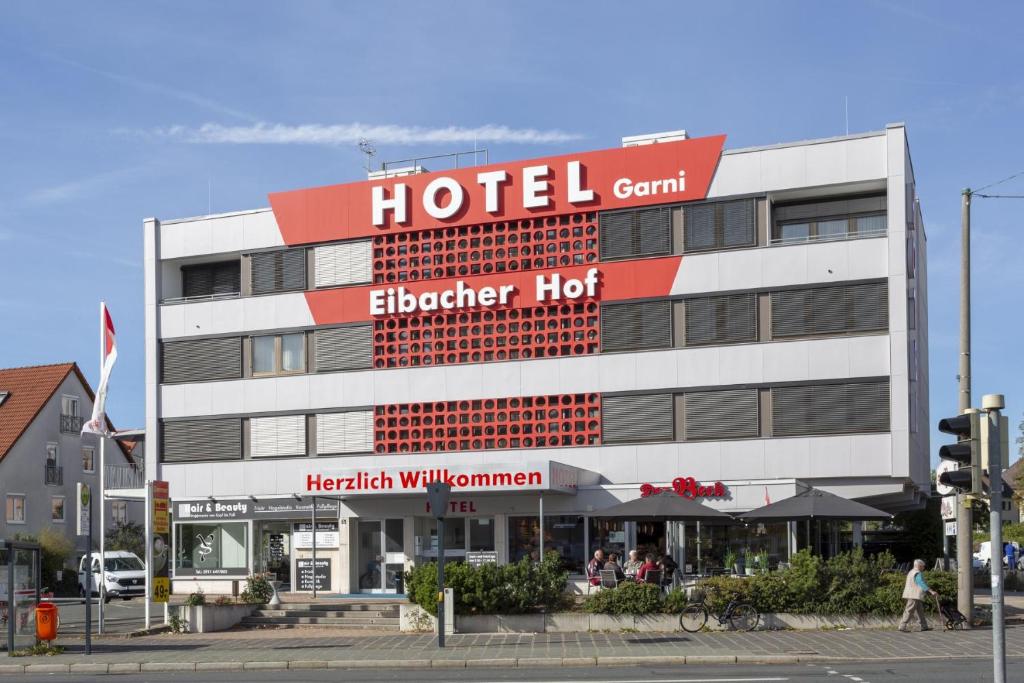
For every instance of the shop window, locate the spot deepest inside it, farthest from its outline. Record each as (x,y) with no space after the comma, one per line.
(279,354)
(562,534)
(609,535)
(211,549)
(481,533)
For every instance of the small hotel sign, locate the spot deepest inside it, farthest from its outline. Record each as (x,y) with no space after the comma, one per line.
(687,487)
(544,476)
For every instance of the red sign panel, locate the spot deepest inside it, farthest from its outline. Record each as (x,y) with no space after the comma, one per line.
(687,487)
(605,179)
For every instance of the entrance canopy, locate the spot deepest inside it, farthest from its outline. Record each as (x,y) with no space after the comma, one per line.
(814,504)
(663,506)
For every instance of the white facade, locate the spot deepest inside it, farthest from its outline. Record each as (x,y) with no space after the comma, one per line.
(886,468)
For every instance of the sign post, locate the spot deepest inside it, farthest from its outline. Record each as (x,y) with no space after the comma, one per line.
(158,563)
(84,499)
(438,494)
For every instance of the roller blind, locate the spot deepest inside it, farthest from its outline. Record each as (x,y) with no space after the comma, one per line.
(342,264)
(727,414)
(645,325)
(720,225)
(281,435)
(636,232)
(726,319)
(831,310)
(343,348)
(278,271)
(830,408)
(196,440)
(199,360)
(627,419)
(350,432)
(208,279)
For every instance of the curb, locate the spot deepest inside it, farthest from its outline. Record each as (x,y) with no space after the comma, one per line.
(509,662)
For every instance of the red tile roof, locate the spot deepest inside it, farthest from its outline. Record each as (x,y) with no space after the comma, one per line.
(29,389)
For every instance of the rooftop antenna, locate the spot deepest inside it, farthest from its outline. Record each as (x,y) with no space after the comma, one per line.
(367,148)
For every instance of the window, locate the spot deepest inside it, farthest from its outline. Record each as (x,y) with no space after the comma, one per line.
(57,508)
(835,309)
(278,271)
(727,319)
(119,511)
(15,508)
(211,549)
(830,408)
(720,225)
(637,232)
(278,354)
(833,219)
(88,459)
(284,435)
(342,264)
(343,348)
(52,455)
(342,433)
(197,440)
(562,534)
(69,405)
(628,419)
(200,360)
(481,533)
(634,326)
(723,414)
(211,279)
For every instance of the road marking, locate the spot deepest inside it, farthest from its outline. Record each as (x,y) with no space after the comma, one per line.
(674,680)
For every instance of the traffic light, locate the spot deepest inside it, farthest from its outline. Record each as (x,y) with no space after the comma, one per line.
(966,452)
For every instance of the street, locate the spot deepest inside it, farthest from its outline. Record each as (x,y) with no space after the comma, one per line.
(120,616)
(934,671)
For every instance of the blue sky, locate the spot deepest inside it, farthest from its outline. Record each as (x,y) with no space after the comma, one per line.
(112,112)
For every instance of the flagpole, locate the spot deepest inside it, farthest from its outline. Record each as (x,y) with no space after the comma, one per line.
(103,491)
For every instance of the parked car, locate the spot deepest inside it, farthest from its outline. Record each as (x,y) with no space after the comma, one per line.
(124,575)
(983,557)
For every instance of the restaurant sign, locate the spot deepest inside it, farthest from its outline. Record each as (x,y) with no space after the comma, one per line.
(687,487)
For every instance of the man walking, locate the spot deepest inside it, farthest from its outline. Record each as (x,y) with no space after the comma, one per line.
(914,592)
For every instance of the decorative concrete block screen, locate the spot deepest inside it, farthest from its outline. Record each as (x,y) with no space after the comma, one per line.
(485,424)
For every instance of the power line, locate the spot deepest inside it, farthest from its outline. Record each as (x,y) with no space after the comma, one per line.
(998,182)
(999,196)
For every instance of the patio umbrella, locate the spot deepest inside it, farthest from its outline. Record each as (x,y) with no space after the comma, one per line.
(664,506)
(814,504)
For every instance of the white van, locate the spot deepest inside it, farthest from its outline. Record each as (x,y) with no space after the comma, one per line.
(124,575)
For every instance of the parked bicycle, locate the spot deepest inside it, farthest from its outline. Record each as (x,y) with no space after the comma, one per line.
(740,616)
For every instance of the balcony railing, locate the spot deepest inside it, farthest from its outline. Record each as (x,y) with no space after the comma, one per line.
(54,475)
(71,424)
(129,476)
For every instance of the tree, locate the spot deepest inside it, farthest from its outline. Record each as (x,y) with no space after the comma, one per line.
(54,550)
(129,536)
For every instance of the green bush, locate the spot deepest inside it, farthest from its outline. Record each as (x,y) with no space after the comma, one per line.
(627,598)
(525,586)
(195,599)
(258,590)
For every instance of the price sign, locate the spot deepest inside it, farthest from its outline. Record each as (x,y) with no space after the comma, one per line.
(161,589)
(160,542)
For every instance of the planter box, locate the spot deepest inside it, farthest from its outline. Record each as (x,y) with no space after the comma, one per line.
(209,618)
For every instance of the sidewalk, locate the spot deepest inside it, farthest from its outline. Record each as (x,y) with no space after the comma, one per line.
(326,648)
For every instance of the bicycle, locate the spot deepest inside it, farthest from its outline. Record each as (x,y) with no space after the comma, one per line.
(741,616)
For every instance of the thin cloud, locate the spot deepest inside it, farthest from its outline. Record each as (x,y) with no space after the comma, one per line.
(351,133)
(80,187)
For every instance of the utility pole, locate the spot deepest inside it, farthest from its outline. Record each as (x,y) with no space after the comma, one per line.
(964,516)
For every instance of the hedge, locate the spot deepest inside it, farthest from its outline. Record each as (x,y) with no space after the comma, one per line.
(525,586)
(848,583)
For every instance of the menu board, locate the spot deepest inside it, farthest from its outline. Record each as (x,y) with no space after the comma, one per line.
(475,558)
(304,568)
(276,544)
(326,535)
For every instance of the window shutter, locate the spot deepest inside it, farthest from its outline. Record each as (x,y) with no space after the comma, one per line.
(726,319)
(197,440)
(632,233)
(227,277)
(196,281)
(350,432)
(343,348)
(699,227)
(654,231)
(830,409)
(278,271)
(616,231)
(728,414)
(201,360)
(342,264)
(646,325)
(830,310)
(720,225)
(277,436)
(626,419)
(739,223)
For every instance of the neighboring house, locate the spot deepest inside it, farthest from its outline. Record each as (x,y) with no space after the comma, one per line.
(1012,476)
(43,454)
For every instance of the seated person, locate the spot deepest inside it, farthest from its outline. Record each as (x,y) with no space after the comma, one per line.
(648,565)
(613,565)
(668,568)
(594,568)
(632,564)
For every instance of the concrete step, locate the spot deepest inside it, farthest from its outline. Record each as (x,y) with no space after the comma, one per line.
(369,622)
(358,627)
(340,614)
(339,606)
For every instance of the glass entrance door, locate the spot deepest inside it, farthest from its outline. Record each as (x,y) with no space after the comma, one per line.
(380,555)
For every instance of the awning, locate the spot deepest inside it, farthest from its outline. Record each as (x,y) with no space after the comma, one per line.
(663,506)
(814,504)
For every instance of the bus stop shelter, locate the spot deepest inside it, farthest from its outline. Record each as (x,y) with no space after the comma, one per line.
(20,577)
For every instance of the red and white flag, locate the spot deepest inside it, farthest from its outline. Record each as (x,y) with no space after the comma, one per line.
(97,424)
(767,500)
